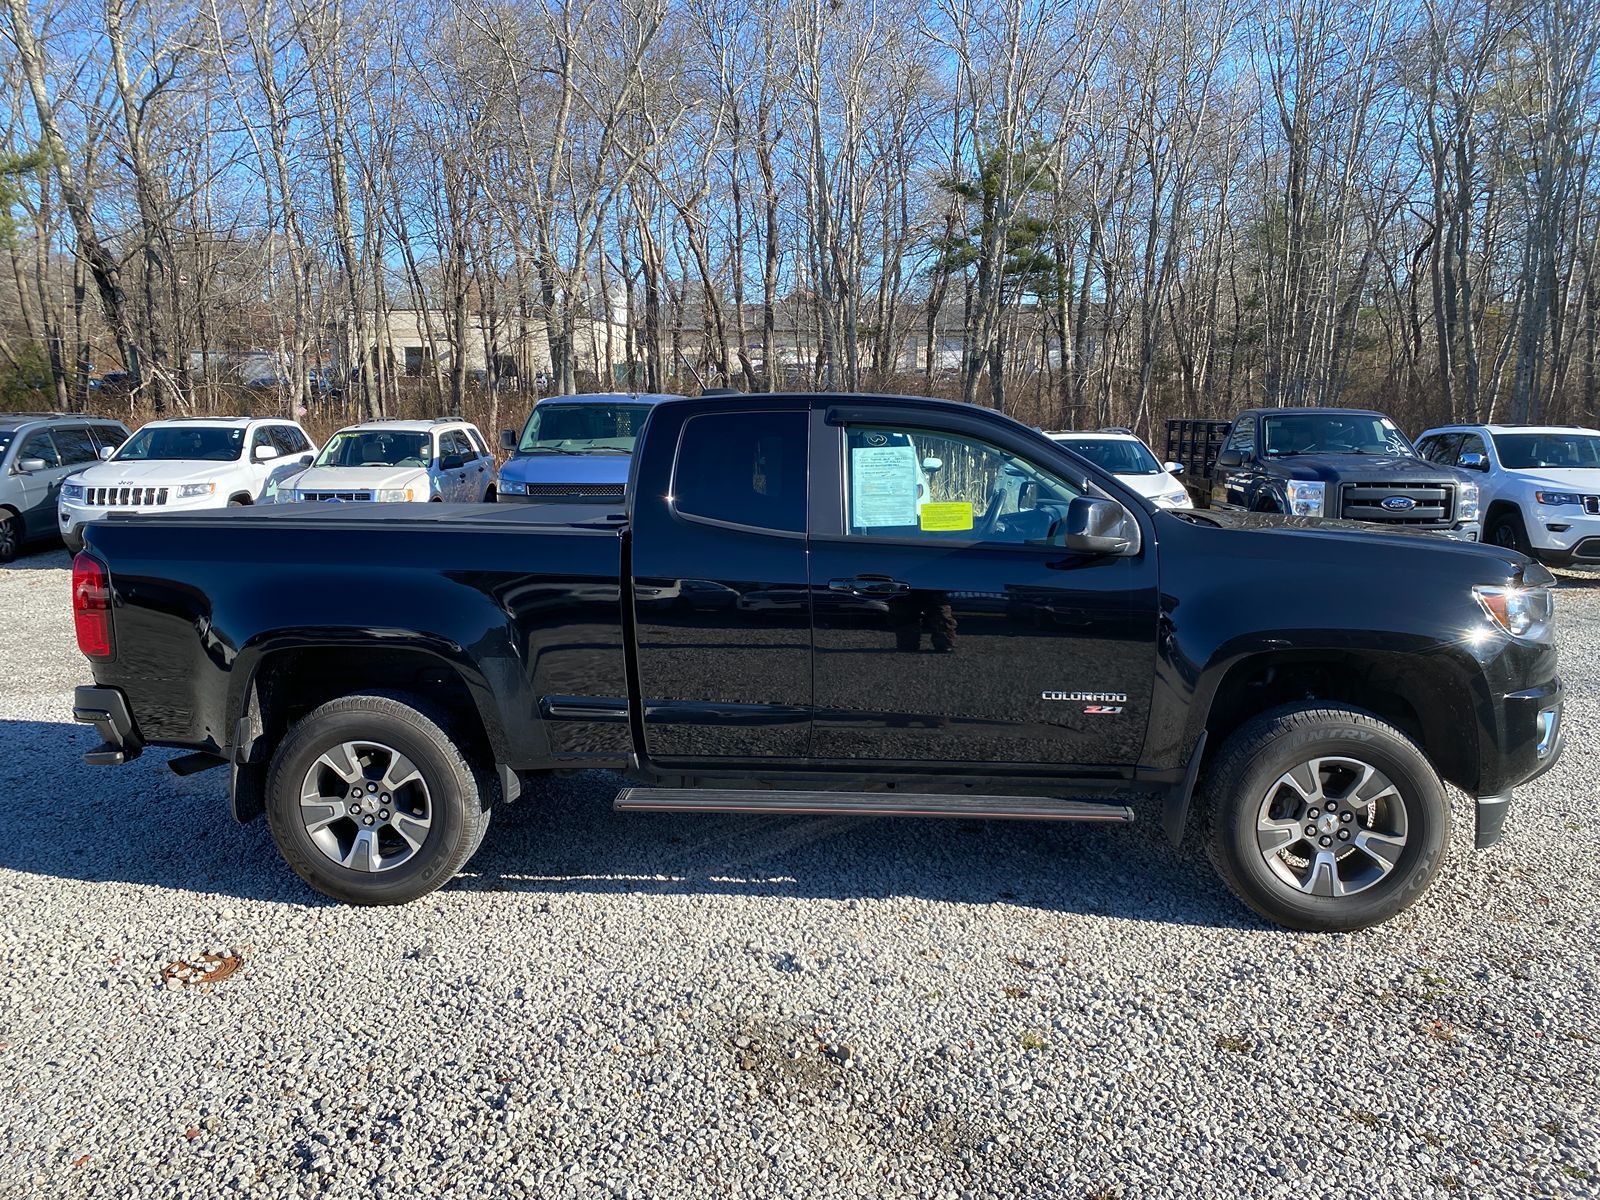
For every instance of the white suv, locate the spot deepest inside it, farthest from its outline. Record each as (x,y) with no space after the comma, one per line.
(391,461)
(1124,455)
(1540,492)
(183,464)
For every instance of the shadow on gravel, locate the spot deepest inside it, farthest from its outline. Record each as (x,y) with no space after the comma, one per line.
(40,556)
(140,824)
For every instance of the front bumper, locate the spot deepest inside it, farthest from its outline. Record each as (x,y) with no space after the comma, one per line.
(1563,537)
(107,710)
(1532,739)
(1465,531)
(72,516)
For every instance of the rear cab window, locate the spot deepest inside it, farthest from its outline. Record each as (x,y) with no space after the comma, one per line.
(743,469)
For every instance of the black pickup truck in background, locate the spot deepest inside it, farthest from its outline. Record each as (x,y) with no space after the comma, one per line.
(833,604)
(1345,463)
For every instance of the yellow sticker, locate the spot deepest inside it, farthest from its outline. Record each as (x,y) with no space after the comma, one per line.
(945,516)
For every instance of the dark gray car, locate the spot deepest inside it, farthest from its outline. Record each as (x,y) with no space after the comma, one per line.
(37,452)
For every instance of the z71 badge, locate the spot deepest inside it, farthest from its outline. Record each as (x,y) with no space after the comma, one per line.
(1095,704)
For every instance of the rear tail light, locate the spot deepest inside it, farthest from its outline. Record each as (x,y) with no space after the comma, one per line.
(91,606)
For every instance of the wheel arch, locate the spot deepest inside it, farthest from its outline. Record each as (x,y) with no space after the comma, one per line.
(1425,698)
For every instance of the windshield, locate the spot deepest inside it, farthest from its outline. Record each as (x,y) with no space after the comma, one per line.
(1332,433)
(1537,451)
(1120,456)
(375,448)
(583,428)
(212,443)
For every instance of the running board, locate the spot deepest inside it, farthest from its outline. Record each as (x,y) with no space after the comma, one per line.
(868,804)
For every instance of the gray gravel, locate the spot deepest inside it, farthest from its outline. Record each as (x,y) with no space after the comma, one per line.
(656,1005)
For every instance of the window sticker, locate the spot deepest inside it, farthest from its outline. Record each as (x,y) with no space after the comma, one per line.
(946,516)
(883,486)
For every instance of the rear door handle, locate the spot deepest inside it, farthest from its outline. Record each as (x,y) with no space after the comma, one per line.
(870,585)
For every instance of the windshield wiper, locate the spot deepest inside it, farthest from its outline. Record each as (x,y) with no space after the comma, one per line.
(548,450)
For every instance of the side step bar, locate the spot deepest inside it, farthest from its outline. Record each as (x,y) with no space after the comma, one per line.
(868,804)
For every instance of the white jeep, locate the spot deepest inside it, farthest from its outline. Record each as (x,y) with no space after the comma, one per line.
(185,463)
(1540,491)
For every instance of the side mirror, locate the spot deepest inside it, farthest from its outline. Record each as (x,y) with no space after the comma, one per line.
(1473,461)
(1230,458)
(306,460)
(508,439)
(452,462)
(932,464)
(1173,468)
(28,466)
(264,453)
(1098,526)
(106,452)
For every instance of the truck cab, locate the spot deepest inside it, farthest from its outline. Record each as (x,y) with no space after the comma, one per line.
(1341,463)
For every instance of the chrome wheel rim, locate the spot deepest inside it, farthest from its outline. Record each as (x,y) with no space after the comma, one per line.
(8,538)
(1332,826)
(365,806)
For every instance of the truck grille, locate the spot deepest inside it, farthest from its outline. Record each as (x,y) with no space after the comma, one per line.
(345,497)
(124,497)
(1433,505)
(575,489)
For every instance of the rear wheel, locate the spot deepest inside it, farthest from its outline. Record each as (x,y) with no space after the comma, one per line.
(10,536)
(372,802)
(1508,530)
(1325,818)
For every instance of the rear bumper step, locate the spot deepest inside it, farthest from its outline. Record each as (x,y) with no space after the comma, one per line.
(869,804)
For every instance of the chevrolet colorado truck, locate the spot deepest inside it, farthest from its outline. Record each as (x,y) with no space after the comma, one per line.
(791,614)
(1351,464)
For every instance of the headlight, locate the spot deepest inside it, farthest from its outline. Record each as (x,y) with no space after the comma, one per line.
(1522,612)
(288,496)
(513,487)
(1467,502)
(189,490)
(1558,499)
(72,491)
(393,495)
(1305,499)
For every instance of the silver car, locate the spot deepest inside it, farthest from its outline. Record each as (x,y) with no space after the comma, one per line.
(37,452)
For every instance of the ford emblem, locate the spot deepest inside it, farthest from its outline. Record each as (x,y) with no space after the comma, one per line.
(1399,503)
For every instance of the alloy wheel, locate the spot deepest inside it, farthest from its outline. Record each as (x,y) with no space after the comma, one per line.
(1332,826)
(366,806)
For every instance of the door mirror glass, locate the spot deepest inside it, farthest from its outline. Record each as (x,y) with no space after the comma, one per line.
(28,466)
(106,452)
(1173,468)
(265,453)
(1230,458)
(1098,526)
(1473,461)
(508,439)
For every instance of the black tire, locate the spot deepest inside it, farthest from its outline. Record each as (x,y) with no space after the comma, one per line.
(1247,771)
(460,797)
(239,502)
(1508,530)
(490,496)
(73,542)
(10,536)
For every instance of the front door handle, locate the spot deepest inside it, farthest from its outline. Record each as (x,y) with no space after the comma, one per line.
(870,585)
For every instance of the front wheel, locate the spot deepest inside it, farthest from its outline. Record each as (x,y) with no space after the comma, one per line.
(1509,531)
(1325,818)
(10,536)
(372,802)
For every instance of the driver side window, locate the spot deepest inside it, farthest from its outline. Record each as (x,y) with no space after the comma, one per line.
(922,484)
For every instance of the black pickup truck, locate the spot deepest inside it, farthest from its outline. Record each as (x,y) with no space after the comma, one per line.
(833,604)
(1347,463)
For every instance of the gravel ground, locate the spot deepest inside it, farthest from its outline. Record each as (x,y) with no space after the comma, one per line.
(657,1005)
